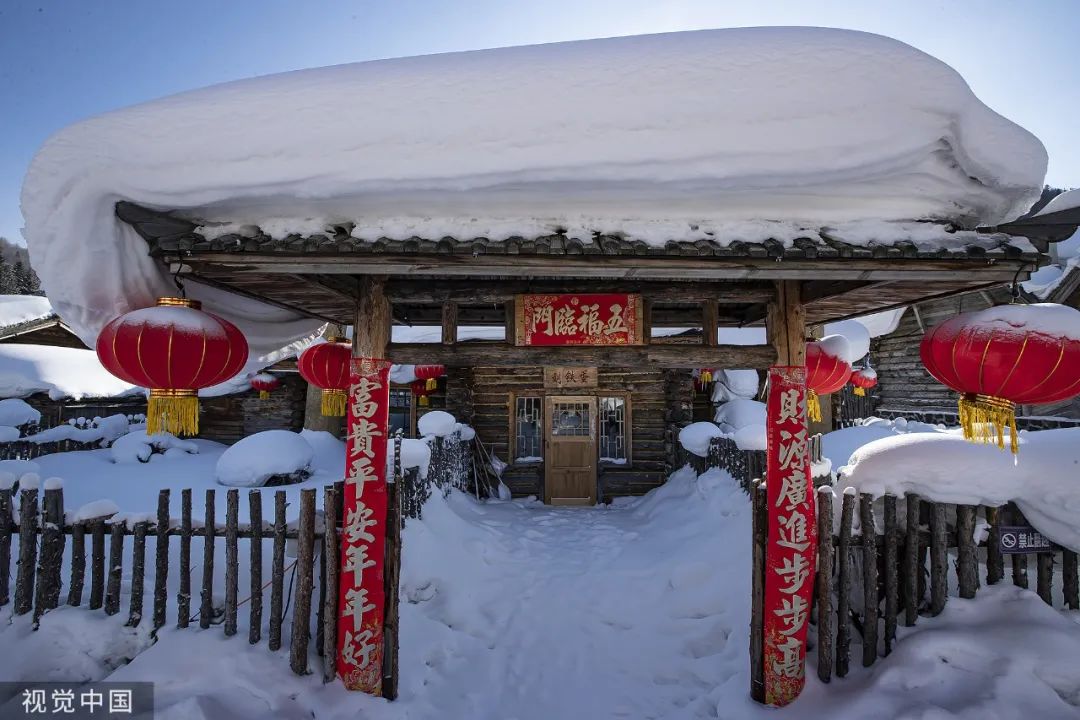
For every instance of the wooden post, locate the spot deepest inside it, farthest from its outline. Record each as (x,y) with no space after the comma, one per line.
(24,578)
(785,324)
(116,567)
(1044,565)
(843,586)
(1070,586)
(757,599)
(1019,562)
(995,562)
(255,563)
(710,321)
(78,564)
(232,558)
(6,524)
(912,567)
(449,323)
(183,595)
(138,574)
(870,579)
(331,560)
(277,571)
(305,554)
(967,560)
(47,594)
(892,600)
(824,587)
(392,579)
(510,321)
(939,587)
(97,563)
(161,559)
(206,606)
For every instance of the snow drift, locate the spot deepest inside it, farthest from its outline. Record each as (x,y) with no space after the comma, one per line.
(734,133)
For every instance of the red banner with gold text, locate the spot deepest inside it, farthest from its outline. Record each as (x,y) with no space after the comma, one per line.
(361,597)
(791,554)
(585,319)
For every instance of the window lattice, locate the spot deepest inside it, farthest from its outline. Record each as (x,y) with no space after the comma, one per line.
(529,426)
(570,419)
(612,428)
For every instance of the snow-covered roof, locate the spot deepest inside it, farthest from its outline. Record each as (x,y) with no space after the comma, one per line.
(17,310)
(644,136)
(59,371)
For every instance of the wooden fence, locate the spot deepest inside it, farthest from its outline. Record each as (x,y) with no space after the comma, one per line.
(28,448)
(742,465)
(870,582)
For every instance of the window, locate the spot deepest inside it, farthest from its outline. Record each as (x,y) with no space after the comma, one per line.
(571,419)
(401,411)
(529,429)
(612,417)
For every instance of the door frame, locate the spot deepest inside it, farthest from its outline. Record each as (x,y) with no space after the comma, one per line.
(591,438)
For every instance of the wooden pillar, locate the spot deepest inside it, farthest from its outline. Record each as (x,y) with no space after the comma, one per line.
(710,323)
(449,323)
(785,324)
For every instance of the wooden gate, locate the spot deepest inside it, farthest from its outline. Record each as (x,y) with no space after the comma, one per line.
(571,451)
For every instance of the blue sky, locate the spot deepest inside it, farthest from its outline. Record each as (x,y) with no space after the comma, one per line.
(63,60)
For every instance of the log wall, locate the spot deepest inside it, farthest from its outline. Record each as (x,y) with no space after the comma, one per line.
(228,418)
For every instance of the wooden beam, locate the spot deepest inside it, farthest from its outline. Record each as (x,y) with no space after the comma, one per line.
(710,323)
(449,323)
(785,324)
(481,292)
(499,354)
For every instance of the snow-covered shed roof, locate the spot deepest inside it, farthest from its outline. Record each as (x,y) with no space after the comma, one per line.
(23,311)
(714,137)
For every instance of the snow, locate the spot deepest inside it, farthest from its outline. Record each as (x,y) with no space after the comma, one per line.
(9,434)
(735,133)
(839,445)
(695,437)
(751,437)
(54,483)
(944,467)
(256,458)
(15,411)
(740,413)
(838,346)
(7,480)
(106,430)
(878,324)
(1043,318)
(138,447)
(59,371)
(329,452)
(857,336)
(414,454)
(18,309)
(17,468)
(731,384)
(436,423)
(1065,201)
(95,509)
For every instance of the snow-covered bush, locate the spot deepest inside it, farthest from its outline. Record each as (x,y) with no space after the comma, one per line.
(139,447)
(740,413)
(16,412)
(695,437)
(273,457)
(437,423)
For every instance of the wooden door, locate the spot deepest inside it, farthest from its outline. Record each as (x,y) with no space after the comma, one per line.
(570,457)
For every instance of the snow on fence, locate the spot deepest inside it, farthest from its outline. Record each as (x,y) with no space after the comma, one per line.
(41,553)
(742,465)
(902,565)
(453,464)
(850,408)
(76,434)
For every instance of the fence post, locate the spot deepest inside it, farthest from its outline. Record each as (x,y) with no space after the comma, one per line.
(1070,587)
(78,564)
(938,559)
(47,595)
(161,559)
(912,566)
(391,580)
(824,583)
(24,579)
(330,606)
(116,566)
(232,558)
(1044,565)
(843,602)
(892,600)
(277,570)
(760,530)
(967,560)
(138,573)
(206,606)
(97,563)
(870,579)
(1019,561)
(255,618)
(305,553)
(183,597)
(6,524)
(995,562)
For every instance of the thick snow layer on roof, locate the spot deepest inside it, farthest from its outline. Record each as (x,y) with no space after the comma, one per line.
(17,309)
(656,136)
(61,372)
(1065,201)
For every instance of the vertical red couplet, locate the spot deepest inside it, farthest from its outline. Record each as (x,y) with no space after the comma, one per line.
(361,598)
(791,555)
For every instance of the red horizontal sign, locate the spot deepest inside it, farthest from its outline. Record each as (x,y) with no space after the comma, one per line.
(590,319)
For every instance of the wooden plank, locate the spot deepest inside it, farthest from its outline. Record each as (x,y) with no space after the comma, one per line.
(1070,587)
(78,564)
(938,559)
(843,586)
(277,570)
(183,596)
(255,566)
(305,555)
(710,323)
(449,323)
(24,578)
(392,581)
(481,291)
(161,559)
(206,606)
(330,552)
(232,558)
(47,591)
(97,563)
(138,574)
(870,579)
(759,540)
(825,647)
(500,354)
(6,522)
(785,326)
(892,590)
(967,561)
(912,566)
(995,561)
(116,568)
(1044,579)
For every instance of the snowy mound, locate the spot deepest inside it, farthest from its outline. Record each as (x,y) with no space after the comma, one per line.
(658,136)
(16,412)
(695,437)
(740,413)
(61,372)
(259,457)
(139,447)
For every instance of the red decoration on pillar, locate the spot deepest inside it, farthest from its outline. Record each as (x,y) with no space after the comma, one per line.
(791,554)
(361,598)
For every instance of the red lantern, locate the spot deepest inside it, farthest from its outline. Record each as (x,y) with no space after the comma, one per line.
(420,391)
(264,383)
(175,349)
(704,377)
(326,366)
(429,374)
(825,374)
(1005,355)
(863,379)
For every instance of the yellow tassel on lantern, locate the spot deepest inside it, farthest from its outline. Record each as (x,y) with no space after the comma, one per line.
(860,392)
(264,394)
(172,411)
(431,384)
(813,406)
(424,402)
(706,376)
(984,419)
(333,403)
